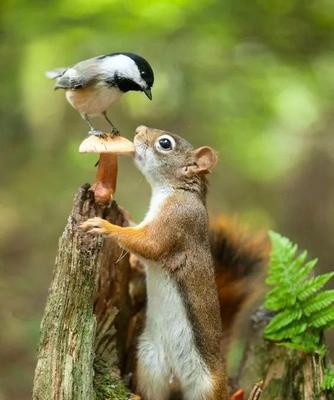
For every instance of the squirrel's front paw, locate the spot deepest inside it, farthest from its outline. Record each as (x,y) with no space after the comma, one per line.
(96,225)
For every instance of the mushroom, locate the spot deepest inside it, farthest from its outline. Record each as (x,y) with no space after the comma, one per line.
(108,146)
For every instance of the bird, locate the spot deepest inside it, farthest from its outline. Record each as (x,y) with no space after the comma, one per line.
(92,85)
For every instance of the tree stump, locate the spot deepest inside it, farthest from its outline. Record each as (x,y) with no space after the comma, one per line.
(83,339)
(281,373)
(90,319)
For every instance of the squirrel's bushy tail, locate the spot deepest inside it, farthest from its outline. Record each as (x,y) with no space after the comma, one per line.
(240,260)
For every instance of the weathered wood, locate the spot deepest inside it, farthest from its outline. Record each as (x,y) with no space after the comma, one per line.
(87,325)
(284,374)
(81,330)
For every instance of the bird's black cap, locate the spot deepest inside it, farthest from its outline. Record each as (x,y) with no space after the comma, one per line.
(144,67)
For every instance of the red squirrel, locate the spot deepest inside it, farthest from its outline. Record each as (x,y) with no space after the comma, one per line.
(182,340)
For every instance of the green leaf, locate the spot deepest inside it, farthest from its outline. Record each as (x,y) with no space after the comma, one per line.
(318,302)
(279,298)
(328,381)
(303,272)
(313,285)
(282,319)
(287,332)
(306,347)
(303,311)
(323,318)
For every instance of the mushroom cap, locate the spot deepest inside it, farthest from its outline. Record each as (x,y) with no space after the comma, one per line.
(107,144)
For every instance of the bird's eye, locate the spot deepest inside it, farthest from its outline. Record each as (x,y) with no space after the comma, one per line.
(165,143)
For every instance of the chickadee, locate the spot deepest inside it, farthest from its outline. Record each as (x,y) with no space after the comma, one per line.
(92,85)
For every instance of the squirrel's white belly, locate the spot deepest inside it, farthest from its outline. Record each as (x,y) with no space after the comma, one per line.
(169,334)
(92,100)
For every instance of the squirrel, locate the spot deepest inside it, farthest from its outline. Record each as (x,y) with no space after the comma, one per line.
(240,262)
(188,268)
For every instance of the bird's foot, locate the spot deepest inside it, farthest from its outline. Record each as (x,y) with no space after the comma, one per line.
(98,133)
(115,131)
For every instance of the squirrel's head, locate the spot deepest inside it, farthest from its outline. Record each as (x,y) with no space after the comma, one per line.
(165,158)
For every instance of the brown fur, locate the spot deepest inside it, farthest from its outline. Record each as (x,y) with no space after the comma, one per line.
(177,237)
(240,261)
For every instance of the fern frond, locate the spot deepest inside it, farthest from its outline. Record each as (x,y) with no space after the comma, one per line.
(283,253)
(303,272)
(328,381)
(288,332)
(293,346)
(318,302)
(323,318)
(279,298)
(313,285)
(283,319)
(303,311)
(308,345)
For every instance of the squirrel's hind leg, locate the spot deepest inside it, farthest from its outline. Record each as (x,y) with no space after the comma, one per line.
(205,388)
(152,373)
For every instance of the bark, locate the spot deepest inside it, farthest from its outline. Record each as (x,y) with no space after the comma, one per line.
(89,322)
(281,373)
(83,338)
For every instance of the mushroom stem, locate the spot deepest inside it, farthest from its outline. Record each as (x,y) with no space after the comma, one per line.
(106,177)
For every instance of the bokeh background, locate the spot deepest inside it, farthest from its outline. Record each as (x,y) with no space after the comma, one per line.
(254,79)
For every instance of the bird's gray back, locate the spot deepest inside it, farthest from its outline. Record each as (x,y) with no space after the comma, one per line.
(81,75)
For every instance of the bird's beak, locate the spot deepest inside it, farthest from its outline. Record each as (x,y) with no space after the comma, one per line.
(148,93)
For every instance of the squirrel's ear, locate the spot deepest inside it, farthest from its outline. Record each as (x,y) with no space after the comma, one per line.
(205,159)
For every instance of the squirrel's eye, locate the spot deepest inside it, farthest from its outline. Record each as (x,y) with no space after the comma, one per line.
(165,143)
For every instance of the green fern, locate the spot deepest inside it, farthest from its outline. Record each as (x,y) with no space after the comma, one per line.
(328,381)
(303,309)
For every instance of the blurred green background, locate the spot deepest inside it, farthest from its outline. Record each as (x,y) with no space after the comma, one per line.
(254,79)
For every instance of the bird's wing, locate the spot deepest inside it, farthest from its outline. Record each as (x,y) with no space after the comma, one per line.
(81,75)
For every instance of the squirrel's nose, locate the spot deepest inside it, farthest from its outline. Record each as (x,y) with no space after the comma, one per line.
(141,129)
